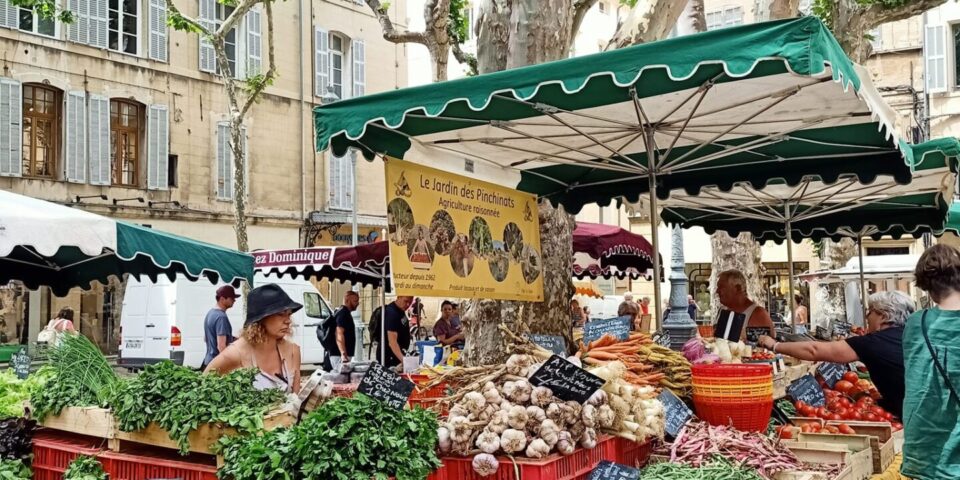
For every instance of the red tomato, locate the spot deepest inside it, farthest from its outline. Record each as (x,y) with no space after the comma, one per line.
(856,415)
(835,416)
(843,386)
(832,429)
(851,377)
(846,430)
(808,410)
(798,405)
(887,416)
(877,410)
(806,428)
(871,417)
(897,426)
(843,412)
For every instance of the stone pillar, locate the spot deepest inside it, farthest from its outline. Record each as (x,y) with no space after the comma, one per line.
(678,324)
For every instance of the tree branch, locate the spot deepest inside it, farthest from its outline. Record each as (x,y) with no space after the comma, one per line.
(238,13)
(254,94)
(192,23)
(390,33)
(877,14)
(580,9)
(465,58)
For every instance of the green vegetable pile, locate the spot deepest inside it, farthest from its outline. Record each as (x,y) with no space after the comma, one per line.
(717,469)
(14,470)
(85,467)
(13,393)
(345,439)
(77,375)
(180,400)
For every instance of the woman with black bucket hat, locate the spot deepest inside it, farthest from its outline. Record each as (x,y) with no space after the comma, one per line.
(263,344)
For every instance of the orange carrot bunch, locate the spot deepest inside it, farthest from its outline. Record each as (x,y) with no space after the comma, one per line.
(608,349)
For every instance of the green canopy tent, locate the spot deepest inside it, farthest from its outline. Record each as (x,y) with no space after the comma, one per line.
(43,243)
(953,219)
(768,103)
(817,210)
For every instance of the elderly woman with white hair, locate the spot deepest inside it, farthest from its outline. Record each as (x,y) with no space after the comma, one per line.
(880,349)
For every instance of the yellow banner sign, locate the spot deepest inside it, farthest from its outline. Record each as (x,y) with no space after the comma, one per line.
(453,236)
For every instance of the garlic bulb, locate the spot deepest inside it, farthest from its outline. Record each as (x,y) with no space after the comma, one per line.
(459,428)
(576,430)
(513,441)
(491,394)
(598,398)
(485,464)
(521,392)
(565,443)
(461,449)
(549,432)
(605,416)
(589,438)
(443,439)
(488,442)
(589,416)
(535,414)
(555,412)
(532,369)
(458,410)
(508,389)
(499,422)
(538,449)
(541,396)
(474,402)
(571,412)
(517,364)
(517,418)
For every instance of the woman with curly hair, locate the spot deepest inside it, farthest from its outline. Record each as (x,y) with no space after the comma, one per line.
(263,344)
(931,407)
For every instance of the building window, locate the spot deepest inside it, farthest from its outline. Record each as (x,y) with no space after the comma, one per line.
(122,33)
(29,21)
(336,63)
(603,7)
(956,54)
(725,17)
(41,132)
(126,119)
(877,251)
(230,40)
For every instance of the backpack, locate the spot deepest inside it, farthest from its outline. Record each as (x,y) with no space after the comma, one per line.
(376,324)
(49,334)
(327,333)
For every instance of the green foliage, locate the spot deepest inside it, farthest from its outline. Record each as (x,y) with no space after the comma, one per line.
(822,9)
(256,83)
(45,9)
(629,3)
(180,400)
(179,23)
(14,392)
(14,470)
(85,467)
(459,26)
(77,375)
(345,439)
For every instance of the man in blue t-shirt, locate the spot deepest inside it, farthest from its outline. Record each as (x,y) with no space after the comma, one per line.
(217,331)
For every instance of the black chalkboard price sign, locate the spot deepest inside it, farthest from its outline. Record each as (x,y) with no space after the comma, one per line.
(662,338)
(831,372)
(618,327)
(806,389)
(386,386)
(568,381)
(554,343)
(729,325)
(677,412)
(607,470)
(754,333)
(20,363)
(842,329)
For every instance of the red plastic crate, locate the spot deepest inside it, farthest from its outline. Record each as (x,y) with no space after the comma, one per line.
(53,451)
(632,453)
(436,391)
(555,467)
(148,464)
(438,474)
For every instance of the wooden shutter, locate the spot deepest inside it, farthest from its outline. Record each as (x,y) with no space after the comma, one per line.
(207,18)
(8,14)
(359,68)
(224,163)
(78,30)
(11,127)
(99,18)
(158,154)
(321,61)
(98,140)
(254,42)
(158,30)
(935,58)
(75,126)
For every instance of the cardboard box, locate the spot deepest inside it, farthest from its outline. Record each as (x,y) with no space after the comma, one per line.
(860,458)
(881,441)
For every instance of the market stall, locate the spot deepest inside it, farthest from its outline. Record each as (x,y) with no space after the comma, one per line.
(608,251)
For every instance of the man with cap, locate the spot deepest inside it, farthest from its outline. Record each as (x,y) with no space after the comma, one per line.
(263,344)
(217,331)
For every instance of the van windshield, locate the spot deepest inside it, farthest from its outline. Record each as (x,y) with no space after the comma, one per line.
(315,306)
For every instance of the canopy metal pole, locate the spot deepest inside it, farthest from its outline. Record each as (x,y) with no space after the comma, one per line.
(863,286)
(383,321)
(655,240)
(793,307)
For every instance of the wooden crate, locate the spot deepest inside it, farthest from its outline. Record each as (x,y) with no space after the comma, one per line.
(89,421)
(860,458)
(881,441)
(780,383)
(898,442)
(854,466)
(799,421)
(202,439)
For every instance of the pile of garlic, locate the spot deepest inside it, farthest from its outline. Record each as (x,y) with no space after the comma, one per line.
(515,418)
(638,414)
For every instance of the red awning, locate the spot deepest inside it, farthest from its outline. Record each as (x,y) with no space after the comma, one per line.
(609,251)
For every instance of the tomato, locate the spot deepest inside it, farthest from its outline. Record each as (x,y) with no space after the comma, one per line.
(887,416)
(835,416)
(832,429)
(856,415)
(846,430)
(877,410)
(851,377)
(785,431)
(897,426)
(871,417)
(843,386)
(843,412)
(806,410)
(822,412)
(806,428)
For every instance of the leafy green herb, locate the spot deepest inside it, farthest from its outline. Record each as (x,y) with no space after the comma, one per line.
(78,375)
(14,392)
(345,439)
(85,467)
(180,400)
(16,438)
(14,470)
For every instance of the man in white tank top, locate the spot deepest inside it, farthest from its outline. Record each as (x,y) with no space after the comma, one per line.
(732,290)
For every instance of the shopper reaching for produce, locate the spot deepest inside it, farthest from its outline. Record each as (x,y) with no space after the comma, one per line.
(263,343)
(880,349)
(732,291)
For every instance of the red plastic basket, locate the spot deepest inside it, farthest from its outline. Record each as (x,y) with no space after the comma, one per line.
(631,453)
(145,464)
(746,416)
(436,391)
(53,452)
(555,467)
(734,394)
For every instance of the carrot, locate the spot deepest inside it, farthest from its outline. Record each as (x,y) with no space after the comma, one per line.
(593,361)
(601,355)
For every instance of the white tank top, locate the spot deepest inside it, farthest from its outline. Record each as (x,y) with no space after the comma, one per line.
(264,380)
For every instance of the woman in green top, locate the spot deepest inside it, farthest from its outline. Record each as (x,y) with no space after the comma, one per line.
(931,408)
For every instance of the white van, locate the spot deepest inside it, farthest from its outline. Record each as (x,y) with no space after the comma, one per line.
(604,308)
(164,320)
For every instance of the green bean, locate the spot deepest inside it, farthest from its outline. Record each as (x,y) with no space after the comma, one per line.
(717,469)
